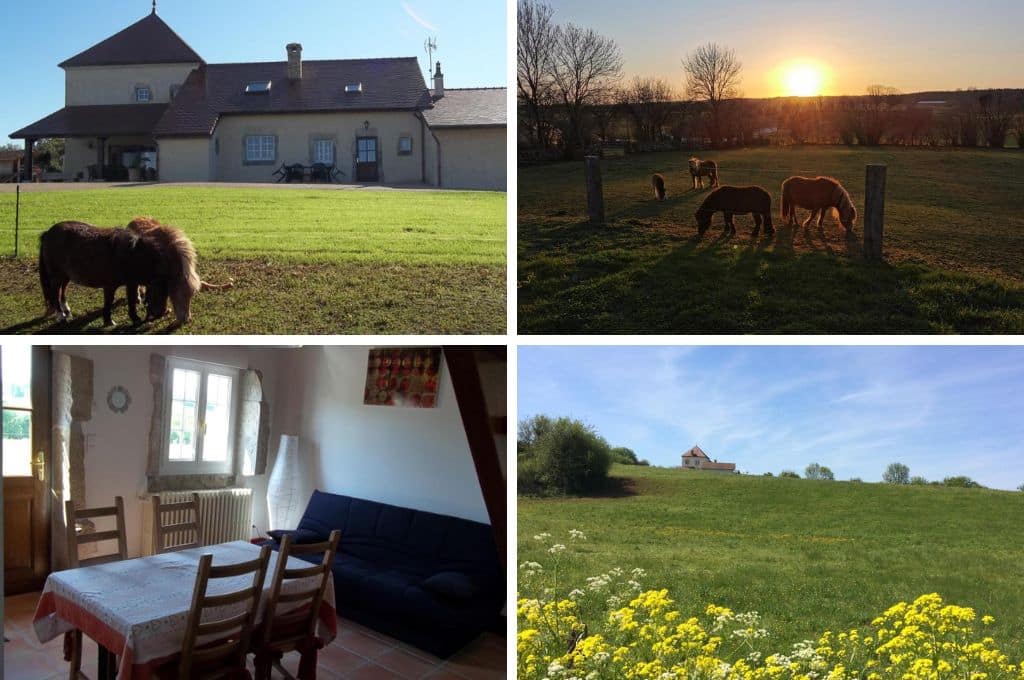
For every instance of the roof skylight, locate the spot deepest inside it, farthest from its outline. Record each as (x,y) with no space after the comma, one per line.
(353,88)
(258,87)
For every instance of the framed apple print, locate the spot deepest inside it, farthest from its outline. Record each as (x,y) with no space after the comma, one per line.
(405,376)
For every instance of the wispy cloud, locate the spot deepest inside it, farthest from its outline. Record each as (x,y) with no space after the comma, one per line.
(417,18)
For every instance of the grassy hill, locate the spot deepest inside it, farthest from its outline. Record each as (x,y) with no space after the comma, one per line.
(954,248)
(810,556)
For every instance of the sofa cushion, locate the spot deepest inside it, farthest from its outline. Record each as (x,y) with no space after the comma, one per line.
(456,585)
(298,535)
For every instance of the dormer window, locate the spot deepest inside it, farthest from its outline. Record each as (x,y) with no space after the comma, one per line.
(143,95)
(258,87)
(353,88)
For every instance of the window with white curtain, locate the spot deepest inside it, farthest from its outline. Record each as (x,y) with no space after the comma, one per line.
(260,148)
(323,151)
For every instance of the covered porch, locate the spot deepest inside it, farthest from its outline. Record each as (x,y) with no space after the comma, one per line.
(102,143)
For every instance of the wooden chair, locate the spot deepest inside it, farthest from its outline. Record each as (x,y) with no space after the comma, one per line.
(75,538)
(294,630)
(175,529)
(225,656)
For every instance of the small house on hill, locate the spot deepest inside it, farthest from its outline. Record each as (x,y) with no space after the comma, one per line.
(696,459)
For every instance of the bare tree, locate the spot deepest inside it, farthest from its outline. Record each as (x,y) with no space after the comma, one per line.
(713,76)
(586,67)
(649,103)
(996,118)
(535,53)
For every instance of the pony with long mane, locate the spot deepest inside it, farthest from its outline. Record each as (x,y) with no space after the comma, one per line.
(820,195)
(147,254)
(700,169)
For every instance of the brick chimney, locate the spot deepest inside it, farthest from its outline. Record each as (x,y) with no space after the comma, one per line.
(438,82)
(294,61)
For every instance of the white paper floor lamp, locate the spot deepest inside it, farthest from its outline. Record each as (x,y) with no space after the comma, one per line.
(283,486)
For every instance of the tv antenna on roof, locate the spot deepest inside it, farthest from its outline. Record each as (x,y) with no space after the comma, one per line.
(430,46)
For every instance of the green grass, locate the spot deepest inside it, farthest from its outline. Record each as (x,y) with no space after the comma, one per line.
(954,249)
(810,556)
(304,261)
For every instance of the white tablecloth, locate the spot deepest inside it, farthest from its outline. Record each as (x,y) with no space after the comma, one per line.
(138,608)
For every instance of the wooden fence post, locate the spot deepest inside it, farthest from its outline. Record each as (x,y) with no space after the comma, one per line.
(595,194)
(17,217)
(874,210)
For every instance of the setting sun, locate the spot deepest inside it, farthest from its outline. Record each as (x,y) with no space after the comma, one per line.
(803,79)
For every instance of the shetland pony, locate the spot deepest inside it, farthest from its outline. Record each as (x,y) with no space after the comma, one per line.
(736,201)
(700,169)
(819,195)
(658,182)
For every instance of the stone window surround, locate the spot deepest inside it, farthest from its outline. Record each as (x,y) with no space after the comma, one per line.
(245,148)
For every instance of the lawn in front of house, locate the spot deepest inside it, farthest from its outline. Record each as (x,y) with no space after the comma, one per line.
(310,261)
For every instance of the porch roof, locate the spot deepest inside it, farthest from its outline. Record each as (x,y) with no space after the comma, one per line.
(96,121)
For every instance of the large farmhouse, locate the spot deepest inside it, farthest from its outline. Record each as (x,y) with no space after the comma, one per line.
(143,104)
(696,459)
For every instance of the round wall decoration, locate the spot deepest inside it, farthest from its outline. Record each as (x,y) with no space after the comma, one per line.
(118,399)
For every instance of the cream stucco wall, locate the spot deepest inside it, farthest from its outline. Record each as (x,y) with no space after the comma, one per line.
(295,135)
(185,159)
(90,85)
(472,158)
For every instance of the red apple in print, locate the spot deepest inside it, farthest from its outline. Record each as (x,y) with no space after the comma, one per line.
(405,385)
(431,370)
(382,396)
(427,401)
(414,399)
(417,360)
(430,385)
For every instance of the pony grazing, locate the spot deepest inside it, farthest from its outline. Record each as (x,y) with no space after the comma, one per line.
(736,201)
(149,254)
(819,195)
(700,169)
(658,182)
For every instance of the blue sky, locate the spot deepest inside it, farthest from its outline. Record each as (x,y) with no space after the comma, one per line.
(913,45)
(942,411)
(471,37)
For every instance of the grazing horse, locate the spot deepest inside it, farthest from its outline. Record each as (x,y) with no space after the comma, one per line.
(736,201)
(658,182)
(159,257)
(819,195)
(700,169)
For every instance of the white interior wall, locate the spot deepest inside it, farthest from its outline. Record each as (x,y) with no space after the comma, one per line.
(117,444)
(412,457)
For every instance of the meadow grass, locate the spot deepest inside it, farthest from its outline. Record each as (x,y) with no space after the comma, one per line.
(304,261)
(954,248)
(810,556)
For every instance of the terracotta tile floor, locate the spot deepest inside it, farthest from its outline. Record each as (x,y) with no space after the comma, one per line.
(358,653)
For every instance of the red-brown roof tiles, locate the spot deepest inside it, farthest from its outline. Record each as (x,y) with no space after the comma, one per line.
(147,41)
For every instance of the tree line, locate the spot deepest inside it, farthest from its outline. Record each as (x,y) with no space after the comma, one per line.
(573,97)
(895,473)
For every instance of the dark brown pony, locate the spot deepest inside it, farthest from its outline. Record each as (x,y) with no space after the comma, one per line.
(159,257)
(700,169)
(819,195)
(658,182)
(736,201)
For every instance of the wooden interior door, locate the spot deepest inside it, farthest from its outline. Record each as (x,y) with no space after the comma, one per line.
(26,455)
(366,159)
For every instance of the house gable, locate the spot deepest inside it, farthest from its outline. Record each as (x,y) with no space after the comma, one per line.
(148,41)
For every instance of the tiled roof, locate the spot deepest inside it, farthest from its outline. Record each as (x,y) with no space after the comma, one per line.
(471,107)
(718,466)
(96,121)
(215,90)
(147,41)
(696,452)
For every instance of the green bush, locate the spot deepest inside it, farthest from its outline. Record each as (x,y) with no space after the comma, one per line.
(896,473)
(624,455)
(561,456)
(790,474)
(918,481)
(961,481)
(815,471)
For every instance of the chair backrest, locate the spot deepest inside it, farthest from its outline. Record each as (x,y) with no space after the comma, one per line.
(177,527)
(225,656)
(76,538)
(299,622)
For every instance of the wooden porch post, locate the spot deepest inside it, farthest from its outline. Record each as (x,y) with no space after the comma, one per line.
(101,142)
(26,165)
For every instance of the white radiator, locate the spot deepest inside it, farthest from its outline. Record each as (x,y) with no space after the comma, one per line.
(224,515)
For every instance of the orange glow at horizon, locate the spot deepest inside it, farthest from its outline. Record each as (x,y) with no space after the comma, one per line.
(802,78)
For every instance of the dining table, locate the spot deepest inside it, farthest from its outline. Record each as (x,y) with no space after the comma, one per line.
(136,610)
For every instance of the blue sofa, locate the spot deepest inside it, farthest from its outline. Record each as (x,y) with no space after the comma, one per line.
(430,580)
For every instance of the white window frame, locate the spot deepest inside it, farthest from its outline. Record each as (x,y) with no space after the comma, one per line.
(199,466)
(318,145)
(261,149)
(139,89)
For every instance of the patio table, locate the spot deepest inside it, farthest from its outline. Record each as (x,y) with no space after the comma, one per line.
(137,609)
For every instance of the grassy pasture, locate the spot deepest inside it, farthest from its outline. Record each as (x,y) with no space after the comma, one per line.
(954,248)
(810,556)
(304,261)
